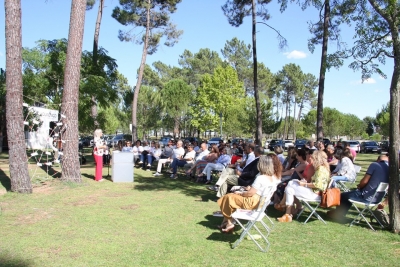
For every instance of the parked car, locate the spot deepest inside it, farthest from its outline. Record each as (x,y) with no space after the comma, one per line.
(384,145)
(370,146)
(288,143)
(276,142)
(300,143)
(86,140)
(164,140)
(120,137)
(214,141)
(193,139)
(355,145)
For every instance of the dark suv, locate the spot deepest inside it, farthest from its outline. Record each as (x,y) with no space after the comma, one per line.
(119,137)
(276,142)
(370,146)
(385,145)
(300,143)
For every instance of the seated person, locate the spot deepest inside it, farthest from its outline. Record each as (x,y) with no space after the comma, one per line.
(321,146)
(145,152)
(310,145)
(377,172)
(237,153)
(304,189)
(279,152)
(187,158)
(201,164)
(168,150)
(195,146)
(301,165)
(290,160)
(201,154)
(137,151)
(332,161)
(279,195)
(233,176)
(127,147)
(352,151)
(218,165)
(154,154)
(270,172)
(178,153)
(344,171)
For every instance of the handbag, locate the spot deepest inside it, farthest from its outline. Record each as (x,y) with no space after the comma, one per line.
(330,197)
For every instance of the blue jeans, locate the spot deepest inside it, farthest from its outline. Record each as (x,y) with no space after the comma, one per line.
(339,178)
(150,159)
(176,163)
(345,204)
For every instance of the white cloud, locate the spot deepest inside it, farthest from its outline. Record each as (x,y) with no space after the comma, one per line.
(295,54)
(368,81)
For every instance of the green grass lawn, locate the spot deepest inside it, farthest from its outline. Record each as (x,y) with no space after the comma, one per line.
(161,222)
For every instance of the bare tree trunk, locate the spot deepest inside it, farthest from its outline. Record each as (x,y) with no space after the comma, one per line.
(322,71)
(294,119)
(69,107)
(394,203)
(140,76)
(95,50)
(19,175)
(255,77)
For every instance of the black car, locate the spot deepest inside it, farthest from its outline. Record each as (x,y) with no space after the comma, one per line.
(193,139)
(370,146)
(300,143)
(86,140)
(384,145)
(276,142)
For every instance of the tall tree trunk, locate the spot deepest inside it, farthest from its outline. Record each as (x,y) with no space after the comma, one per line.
(140,76)
(69,107)
(394,204)
(300,109)
(322,71)
(255,77)
(294,119)
(95,51)
(19,175)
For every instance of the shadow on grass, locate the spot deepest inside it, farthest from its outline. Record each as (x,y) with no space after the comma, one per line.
(162,183)
(6,260)
(5,181)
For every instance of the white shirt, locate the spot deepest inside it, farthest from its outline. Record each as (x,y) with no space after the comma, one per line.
(202,154)
(137,150)
(262,181)
(190,155)
(146,148)
(97,143)
(156,153)
(178,152)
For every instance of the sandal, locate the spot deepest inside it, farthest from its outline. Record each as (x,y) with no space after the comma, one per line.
(285,218)
(280,207)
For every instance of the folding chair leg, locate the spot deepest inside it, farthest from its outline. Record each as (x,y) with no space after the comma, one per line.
(342,186)
(246,228)
(313,212)
(361,214)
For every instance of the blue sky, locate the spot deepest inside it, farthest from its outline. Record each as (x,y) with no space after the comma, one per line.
(205,26)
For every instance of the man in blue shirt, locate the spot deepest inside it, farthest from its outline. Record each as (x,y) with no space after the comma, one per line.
(377,172)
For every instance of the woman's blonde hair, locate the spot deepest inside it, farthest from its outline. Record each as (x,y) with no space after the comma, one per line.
(270,165)
(97,133)
(319,158)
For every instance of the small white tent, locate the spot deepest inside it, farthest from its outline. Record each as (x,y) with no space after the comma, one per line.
(40,139)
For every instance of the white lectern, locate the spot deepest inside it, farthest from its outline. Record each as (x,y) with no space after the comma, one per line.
(122,167)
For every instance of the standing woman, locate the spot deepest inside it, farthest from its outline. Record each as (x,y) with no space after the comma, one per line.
(99,148)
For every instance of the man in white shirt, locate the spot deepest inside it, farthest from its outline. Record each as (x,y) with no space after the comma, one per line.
(178,153)
(180,162)
(249,158)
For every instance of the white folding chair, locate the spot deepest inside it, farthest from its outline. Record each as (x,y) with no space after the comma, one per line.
(378,195)
(341,184)
(254,216)
(313,210)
